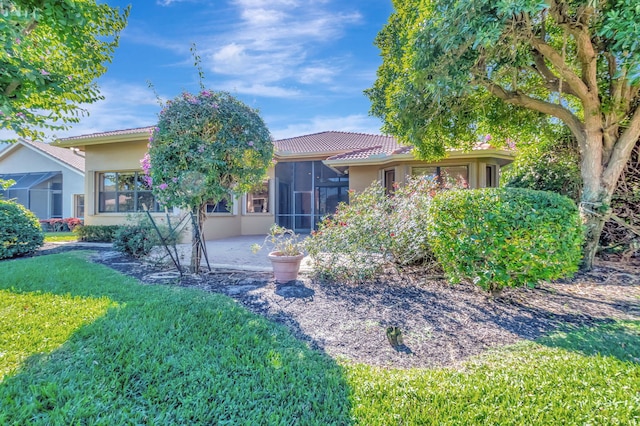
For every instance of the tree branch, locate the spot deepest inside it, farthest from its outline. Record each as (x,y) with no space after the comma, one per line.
(555,110)
(575,83)
(622,150)
(552,82)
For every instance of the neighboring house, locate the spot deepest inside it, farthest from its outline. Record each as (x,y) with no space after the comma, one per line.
(312,174)
(49,179)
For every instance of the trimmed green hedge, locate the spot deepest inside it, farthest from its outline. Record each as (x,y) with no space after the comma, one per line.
(505,237)
(20,231)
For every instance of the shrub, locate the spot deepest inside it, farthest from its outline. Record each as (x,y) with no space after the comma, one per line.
(505,237)
(373,231)
(20,231)
(60,225)
(139,237)
(352,244)
(547,166)
(96,233)
(409,220)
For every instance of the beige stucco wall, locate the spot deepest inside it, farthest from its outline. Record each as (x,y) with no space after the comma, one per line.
(26,160)
(361,177)
(125,156)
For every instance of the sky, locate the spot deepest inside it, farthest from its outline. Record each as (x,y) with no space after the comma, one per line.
(302,63)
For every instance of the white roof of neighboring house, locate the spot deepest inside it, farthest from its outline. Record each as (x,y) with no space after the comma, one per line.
(66,157)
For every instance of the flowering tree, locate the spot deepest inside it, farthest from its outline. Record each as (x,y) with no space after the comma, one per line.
(205,148)
(52,52)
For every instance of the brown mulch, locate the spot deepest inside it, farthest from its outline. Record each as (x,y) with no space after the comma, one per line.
(441,324)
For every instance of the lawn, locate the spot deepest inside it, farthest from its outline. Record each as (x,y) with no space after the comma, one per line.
(80,343)
(59,237)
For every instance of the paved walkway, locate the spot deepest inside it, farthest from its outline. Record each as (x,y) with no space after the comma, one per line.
(235,253)
(226,253)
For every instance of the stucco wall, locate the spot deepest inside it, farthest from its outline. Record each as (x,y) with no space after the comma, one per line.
(125,156)
(361,177)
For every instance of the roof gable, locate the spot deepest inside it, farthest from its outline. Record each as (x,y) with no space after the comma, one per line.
(68,158)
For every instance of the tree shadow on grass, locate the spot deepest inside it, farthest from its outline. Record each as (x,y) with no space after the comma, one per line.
(620,340)
(168,355)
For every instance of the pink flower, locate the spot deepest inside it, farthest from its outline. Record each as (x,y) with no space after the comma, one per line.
(145,163)
(250,143)
(43,72)
(18,40)
(70,77)
(163,186)
(487,138)
(175,180)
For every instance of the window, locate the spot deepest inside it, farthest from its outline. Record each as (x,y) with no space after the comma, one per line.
(121,192)
(258,200)
(389,181)
(223,206)
(78,205)
(448,176)
(491,180)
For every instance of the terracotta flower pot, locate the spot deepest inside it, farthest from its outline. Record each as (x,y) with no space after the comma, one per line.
(285,268)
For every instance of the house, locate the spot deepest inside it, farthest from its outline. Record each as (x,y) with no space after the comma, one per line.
(312,174)
(49,179)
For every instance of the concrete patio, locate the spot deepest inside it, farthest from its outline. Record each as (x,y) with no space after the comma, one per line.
(230,253)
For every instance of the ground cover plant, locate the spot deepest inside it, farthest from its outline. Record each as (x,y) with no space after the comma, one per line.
(164,354)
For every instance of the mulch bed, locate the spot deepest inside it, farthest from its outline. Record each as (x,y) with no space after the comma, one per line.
(440,324)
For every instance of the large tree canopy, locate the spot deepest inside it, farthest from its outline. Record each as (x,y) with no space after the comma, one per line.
(454,70)
(52,52)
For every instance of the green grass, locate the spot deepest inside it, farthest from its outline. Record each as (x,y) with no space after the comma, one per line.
(163,355)
(112,351)
(59,237)
(587,376)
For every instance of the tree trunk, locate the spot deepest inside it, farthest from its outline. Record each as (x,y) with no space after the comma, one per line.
(594,216)
(197,237)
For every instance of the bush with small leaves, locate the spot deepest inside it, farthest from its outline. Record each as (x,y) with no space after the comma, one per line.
(96,233)
(505,237)
(375,231)
(139,237)
(352,245)
(20,231)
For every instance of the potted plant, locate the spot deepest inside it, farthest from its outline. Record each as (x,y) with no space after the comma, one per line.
(287,252)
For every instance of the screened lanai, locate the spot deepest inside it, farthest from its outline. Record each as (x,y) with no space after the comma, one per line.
(39,192)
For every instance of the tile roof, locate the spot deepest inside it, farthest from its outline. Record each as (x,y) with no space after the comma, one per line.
(111,133)
(335,143)
(69,157)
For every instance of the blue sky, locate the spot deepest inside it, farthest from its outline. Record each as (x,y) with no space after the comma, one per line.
(302,63)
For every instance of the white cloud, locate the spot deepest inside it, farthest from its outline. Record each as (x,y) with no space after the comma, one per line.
(273,41)
(316,74)
(357,123)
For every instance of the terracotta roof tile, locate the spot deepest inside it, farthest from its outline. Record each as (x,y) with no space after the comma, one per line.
(334,143)
(71,158)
